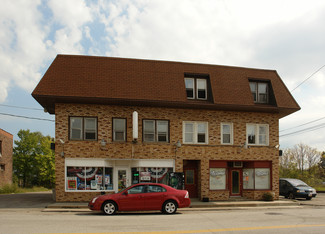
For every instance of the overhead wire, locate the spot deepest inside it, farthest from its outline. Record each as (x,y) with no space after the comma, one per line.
(21,107)
(302,124)
(308,77)
(313,128)
(26,117)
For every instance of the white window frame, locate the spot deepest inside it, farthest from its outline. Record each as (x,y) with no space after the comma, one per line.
(256,93)
(205,88)
(195,132)
(257,134)
(231,133)
(195,87)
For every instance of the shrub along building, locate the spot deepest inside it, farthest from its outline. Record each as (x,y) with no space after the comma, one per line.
(124,121)
(6,144)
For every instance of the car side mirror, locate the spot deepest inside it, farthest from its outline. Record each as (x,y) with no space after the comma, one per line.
(125,193)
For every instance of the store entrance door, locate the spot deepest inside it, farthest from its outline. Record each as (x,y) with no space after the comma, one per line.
(123,179)
(190,168)
(235,182)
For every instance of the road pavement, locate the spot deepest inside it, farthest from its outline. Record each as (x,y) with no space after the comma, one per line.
(42,200)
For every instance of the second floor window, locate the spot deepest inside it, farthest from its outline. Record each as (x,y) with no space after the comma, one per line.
(196,88)
(195,132)
(226,133)
(257,134)
(119,129)
(155,130)
(260,91)
(83,128)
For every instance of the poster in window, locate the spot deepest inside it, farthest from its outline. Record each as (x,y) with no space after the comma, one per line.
(217,178)
(107,179)
(99,179)
(93,185)
(145,176)
(72,183)
(248,178)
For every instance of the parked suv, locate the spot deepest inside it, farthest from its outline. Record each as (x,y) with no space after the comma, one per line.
(294,188)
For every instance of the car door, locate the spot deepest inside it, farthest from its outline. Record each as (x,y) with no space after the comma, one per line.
(132,199)
(154,197)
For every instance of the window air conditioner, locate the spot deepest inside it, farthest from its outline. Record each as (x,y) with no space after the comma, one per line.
(238,164)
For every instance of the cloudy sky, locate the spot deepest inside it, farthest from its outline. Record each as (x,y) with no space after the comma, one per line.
(283,35)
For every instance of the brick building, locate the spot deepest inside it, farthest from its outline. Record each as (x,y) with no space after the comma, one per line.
(6,144)
(123,121)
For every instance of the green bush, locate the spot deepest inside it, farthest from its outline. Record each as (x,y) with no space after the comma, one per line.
(8,188)
(268,196)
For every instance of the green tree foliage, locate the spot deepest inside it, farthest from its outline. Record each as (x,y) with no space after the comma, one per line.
(33,160)
(302,162)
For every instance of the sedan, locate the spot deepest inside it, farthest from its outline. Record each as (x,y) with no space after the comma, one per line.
(144,197)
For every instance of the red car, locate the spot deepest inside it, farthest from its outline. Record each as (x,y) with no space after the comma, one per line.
(143,196)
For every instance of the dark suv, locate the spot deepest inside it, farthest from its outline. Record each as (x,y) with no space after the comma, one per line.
(294,188)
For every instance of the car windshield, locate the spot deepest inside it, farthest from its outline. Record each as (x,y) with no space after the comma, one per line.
(298,183)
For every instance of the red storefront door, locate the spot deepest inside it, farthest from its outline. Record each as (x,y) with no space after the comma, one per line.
(191,177)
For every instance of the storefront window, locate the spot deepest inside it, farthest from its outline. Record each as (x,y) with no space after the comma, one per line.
(262,178)
(217,178)
(150,174)
(89,178)
(258,178)
(248,178)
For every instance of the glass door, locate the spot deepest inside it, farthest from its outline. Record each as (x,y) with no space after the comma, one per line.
(235,183)
(122,178)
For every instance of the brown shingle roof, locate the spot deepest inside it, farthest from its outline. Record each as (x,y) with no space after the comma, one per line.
(106,80)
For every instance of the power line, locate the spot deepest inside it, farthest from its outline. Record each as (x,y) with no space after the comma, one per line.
(308,78)
(26,117)
(21,107)
(313,128)
(302,124)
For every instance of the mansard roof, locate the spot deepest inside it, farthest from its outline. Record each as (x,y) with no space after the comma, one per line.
(122,81)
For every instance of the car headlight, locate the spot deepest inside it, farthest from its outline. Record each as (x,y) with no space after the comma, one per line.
(94,199)
(298,191)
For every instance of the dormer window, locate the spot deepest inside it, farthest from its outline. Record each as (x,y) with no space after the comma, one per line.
(196,88)
(260,91)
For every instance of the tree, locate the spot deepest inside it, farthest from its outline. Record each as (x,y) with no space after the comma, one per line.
(33,160)
(302,162)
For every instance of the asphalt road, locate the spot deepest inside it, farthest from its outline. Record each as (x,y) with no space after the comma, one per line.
(42,199)
(24,214)
(26,200)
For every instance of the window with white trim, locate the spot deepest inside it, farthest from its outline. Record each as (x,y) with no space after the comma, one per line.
(83,128)
(155,130)
(257,134)
(195,132)
(227,133)
(260,91)
(119,129)
(196,88)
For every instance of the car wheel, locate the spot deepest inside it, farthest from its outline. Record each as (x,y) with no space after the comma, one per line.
(308,198)
(291,196)
(109,208)
(169,207)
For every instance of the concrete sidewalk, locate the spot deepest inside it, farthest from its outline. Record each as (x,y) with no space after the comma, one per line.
(195,205)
